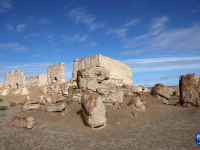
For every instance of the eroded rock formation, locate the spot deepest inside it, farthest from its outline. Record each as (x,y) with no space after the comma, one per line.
(93,109)
(189,89)
(23,121)
(1,84)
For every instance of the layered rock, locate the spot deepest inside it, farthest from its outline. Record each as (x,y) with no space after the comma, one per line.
(36,81)
(56,73)
(28,107)
(161,92)
(189,86)
(15,80)
(93,109)
(118,70)
(23,121)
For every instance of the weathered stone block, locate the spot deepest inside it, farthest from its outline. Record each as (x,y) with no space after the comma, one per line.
(23,121)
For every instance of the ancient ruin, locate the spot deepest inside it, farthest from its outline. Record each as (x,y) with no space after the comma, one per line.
(36,81)
(56,73)
(118,70)
(15,80)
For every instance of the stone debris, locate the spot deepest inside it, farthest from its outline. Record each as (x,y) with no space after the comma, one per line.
(24,91)
(28,97)
(5,92)
(189,89)
(27,107)
(15,80)
(56,73)
(135,103)
(17,91)
(56,107)
(49,99)
(23,122)
(93,109)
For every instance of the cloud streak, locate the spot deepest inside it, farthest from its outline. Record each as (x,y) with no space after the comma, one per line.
(75,38)
(5,5)
(163,64)
(81,16)
(166,40)
(13,47)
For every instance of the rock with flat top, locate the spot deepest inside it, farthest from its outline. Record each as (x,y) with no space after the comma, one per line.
(56,107)
(27,107)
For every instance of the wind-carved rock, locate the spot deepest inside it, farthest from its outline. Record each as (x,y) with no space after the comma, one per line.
(56,73)
(161,92)
(135,103)
(189,87)
(15,80)
(93,109)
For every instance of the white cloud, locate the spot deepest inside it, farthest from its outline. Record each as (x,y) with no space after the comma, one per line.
(32,35)
(131,52)
(163,63)
(50,36)
(132,22)
(9,27)
(44,21)
(52,42)
(92,44)
(79,15)
(120,32)
(5,5)
(20,27)
(158,25)
(69,4)
(166,40)
(13,47)
(75,38)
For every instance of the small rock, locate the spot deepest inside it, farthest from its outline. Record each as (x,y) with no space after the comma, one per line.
(23,121)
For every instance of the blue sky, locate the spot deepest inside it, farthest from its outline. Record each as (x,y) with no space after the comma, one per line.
(158,39)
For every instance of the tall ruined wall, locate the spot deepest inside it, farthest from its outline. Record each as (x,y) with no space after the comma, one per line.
(118,70)
(36,81)
(15,79)
(56,73)
(1,84)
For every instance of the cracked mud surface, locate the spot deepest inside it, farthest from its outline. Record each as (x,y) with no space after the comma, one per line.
(160,127)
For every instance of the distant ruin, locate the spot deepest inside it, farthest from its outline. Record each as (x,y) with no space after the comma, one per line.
(15,80)
(56,73)
(118,70)
(36,81)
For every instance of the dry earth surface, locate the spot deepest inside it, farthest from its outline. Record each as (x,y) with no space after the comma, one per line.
(159,127)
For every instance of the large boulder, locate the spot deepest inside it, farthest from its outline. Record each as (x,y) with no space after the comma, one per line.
(111,96)
(159,90)
(135,103)
(189,89)
(23,121)
(91,78)
(93,109)
(56,107)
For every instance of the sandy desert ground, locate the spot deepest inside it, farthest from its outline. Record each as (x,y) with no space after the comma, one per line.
(160,127)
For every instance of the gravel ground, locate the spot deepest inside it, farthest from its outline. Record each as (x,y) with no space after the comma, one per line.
(162,126)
